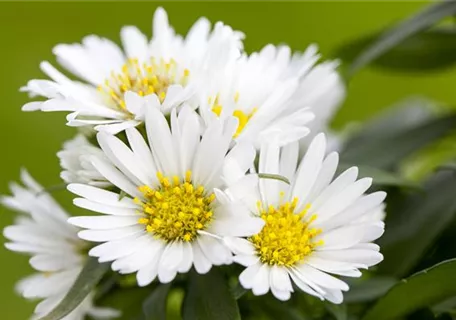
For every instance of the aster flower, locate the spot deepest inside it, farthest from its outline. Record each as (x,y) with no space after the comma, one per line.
(181,197)
(275,94)
(42,231)
(314,227)
(77,166)
(168,66)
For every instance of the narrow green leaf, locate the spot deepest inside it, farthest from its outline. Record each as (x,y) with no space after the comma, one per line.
(154,307)
(53,188)
(430,50)
(339,311)
(386,151)
(381,177)
(414,223)
(449,166)
(122,194)
(89,277)
(129,301)
(238,291)
(422,289)
(363,290)
(273,177)
(421,21)
(208,297)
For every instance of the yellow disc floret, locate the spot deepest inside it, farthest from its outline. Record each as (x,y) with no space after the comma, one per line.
(242,116)
(287,237)
(144,79)
(176,210)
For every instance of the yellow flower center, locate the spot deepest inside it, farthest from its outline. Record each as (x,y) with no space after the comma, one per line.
(241,115)
(144,79)
(176,210)
(287,237)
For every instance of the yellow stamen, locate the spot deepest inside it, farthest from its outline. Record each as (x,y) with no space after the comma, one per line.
(287,237)
(176,211)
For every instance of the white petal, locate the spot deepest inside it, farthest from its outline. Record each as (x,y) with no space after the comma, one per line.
(201,263)
(261,283)
(170,261)
(309,169)
(247,277)
(103,222)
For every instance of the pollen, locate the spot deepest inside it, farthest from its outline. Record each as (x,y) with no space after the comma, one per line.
(287,237)
(151,77)
(177,209)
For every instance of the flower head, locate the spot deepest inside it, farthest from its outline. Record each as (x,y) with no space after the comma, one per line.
(168,67)
(275,94)
(181,198)
(42,231)
(75,162)
(314,227)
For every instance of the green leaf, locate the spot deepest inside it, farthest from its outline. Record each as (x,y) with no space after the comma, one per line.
(449,166)
(339,311)
(363,290)
(429,50)
(273,177)
(122,194)
(154,307)
(414,223)
(275,309)
(208,297)
(391,38)
(238,291)
(387,150)
(129,301)
(422,289)
(381,177)
(89,277)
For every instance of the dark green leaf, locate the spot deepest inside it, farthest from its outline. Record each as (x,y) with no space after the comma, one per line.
(129,301)
(422,289)
(368,289)
(421,21)
(238,291)
(274,309)
(429,50)
(387,150)
(84,284)
(208,297)
(415,222)
(401,116)
(449,166)
(449,305)
(381,177)
(154,307)
(339,311)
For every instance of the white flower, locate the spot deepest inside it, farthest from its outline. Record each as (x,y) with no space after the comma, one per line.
(43,232)
(169,67)
(178,209)
(77,166)
(314,227)
(274,93)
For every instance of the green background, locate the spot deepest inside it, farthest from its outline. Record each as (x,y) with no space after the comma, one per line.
(30,30)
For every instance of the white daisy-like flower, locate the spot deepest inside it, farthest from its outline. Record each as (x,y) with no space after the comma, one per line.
(180,197)
(314,227)
(75,160)
(43,232)
(275,93)
(168,66)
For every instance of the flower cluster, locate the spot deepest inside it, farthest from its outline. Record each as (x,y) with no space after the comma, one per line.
(188,151)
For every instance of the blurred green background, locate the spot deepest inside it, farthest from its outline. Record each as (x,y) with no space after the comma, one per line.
(30,30)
